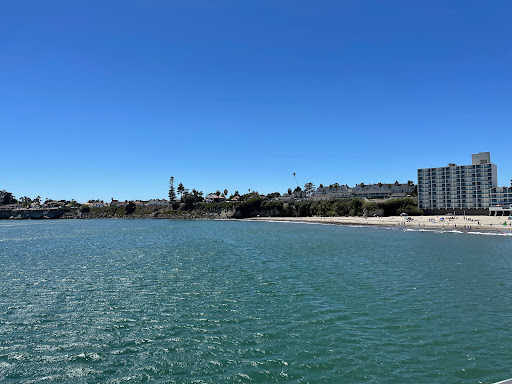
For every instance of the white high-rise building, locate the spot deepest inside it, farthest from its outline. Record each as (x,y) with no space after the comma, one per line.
(461,187)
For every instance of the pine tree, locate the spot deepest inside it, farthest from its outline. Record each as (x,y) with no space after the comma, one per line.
(172,192)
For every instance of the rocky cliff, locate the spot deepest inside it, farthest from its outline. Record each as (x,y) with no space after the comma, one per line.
(33,214)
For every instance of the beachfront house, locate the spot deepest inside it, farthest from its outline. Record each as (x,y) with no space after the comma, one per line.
(333,191)
(158,202)
(383,191)
(117,203)
(54,204)
(11,206)
(214,199)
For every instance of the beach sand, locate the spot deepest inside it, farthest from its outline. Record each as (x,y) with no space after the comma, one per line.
(468,223)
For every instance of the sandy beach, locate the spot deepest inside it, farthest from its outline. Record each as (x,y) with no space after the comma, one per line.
(468,223)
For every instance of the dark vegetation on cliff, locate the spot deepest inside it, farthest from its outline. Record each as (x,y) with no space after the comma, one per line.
(258,206)
(345,207)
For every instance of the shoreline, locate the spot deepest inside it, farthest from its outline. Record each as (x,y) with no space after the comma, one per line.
(468,224)
(417,223)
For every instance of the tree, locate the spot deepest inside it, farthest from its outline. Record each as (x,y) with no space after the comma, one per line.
(289,191)
(25,201)
(190,199)
(181,189)
(172,192)
(85,209)
(237,194)
(309,188)
(130,207)
(197,193)
(225,192)
(217,193)
(6,198)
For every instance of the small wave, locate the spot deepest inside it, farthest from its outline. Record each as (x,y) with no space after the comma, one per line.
(80,372)
(490,233)
(90,357)
(17,356)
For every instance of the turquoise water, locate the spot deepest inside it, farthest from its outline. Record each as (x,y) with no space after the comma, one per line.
(131,301)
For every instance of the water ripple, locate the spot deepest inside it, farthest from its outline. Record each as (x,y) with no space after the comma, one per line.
(116,301)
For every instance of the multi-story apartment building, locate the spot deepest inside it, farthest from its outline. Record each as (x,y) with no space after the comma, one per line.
(456,187)
(501,200)
(501,196)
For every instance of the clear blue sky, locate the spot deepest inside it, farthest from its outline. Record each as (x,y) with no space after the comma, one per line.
(102,99)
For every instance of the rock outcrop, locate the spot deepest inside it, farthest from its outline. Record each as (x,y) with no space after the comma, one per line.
(33,214)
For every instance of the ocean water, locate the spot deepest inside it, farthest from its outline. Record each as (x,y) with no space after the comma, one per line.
(133,301)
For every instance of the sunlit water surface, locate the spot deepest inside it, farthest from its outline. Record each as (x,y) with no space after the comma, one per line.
(131,301)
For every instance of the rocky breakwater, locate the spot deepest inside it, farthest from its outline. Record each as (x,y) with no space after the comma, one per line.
(33,214)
